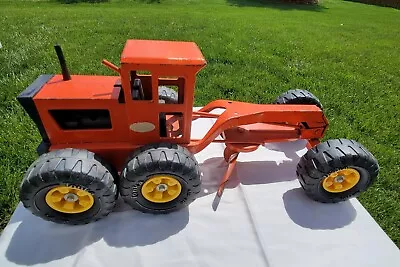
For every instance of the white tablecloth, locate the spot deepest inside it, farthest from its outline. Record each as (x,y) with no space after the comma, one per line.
(263,219)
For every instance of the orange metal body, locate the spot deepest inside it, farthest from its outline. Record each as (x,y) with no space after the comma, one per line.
(136,122)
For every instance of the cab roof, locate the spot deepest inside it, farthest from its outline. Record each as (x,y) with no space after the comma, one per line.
(152,52)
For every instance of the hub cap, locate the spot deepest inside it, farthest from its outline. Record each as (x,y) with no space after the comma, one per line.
(161,189)
(68,199)
(341,180)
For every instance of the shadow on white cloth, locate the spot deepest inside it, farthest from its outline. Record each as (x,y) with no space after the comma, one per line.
(129,228)
(301,209)
(314,215)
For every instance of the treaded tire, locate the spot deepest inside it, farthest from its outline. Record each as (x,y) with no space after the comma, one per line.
(71,167)
(298,96)
(155,159)
(330,156)
(167,95)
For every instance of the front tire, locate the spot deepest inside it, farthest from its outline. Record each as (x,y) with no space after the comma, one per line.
(298,96)
(160,178)
(336,170)
(69,186)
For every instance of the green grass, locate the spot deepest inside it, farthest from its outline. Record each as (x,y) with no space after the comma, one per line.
(346,53)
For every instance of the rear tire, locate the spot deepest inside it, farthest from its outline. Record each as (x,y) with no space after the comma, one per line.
(329,158)
(167,95)
(78,169)
(160,160)
(298,96)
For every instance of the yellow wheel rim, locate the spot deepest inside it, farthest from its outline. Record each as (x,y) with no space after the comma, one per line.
(341,180)
(161,189)
(68,199)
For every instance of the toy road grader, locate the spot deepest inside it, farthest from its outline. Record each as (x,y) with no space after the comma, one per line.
(130,135)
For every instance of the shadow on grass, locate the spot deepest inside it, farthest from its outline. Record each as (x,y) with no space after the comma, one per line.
(276,4)
(151,1)
(101,1)
(80,1)
(384,3)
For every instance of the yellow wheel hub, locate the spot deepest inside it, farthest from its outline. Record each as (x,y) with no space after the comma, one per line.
(341,180)
(68,199)
(161,189)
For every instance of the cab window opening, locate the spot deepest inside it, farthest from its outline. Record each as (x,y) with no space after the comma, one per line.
(141,85)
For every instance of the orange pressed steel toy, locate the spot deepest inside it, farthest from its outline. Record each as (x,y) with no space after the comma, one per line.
(131,134)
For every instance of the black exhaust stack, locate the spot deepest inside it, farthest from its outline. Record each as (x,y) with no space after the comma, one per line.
(64,69)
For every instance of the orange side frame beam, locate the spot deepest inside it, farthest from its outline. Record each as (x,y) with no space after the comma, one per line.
(285,122)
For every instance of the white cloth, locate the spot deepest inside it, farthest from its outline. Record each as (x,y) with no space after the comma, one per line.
(263,219)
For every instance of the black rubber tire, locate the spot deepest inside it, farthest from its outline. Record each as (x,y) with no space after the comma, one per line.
(298,96)
(155,159)
(330,156)
(73,167)
(167,95)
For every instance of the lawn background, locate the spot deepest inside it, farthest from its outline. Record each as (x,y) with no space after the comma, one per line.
(348,54)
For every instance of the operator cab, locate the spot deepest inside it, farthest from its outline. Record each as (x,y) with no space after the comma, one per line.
(151,72)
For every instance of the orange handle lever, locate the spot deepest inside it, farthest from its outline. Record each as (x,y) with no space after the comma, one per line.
(110,66)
